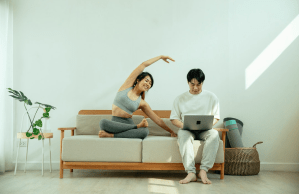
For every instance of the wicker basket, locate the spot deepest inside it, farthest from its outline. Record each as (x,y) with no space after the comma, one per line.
(242,161)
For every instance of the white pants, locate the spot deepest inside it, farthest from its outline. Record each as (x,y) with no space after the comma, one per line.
(185,141)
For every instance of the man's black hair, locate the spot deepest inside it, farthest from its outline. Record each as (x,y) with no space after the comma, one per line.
(197,74)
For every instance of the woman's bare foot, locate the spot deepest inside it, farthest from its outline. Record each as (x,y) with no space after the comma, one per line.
(191,177)
(204,178)
(143,123)
(103,134)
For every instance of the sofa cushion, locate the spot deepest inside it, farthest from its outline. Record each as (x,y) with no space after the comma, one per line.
(137,119)
(159,149)
(89,124)
(91,148)
(155,130)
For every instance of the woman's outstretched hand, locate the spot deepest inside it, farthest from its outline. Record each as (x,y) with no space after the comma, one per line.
(173,135)
(167,57)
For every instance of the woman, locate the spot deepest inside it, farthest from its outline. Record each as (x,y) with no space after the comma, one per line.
(129,98)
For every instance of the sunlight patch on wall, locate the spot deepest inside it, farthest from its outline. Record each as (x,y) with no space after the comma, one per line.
(272,52)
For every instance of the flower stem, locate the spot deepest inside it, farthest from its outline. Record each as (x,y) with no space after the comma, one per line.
(34,116)
(29,117)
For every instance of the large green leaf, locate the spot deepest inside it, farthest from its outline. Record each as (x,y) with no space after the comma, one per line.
(46,105)
(22,94)
(28,134)
(14,97)
(29,102)
(35,131)
(18,93)
(19,96)
(39,123)
(12,92)
(46,115)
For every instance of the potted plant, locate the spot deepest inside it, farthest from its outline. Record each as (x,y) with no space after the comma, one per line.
(35,125)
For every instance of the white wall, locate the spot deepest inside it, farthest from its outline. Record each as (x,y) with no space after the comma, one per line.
(269,107)
(75,55)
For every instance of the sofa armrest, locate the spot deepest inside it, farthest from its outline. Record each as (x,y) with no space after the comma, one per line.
(61,138)
(223,136)
(67,128)
(221,129)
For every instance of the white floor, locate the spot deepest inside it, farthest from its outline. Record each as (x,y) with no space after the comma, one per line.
(110,182)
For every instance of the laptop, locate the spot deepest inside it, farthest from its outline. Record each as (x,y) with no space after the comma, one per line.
(198,122)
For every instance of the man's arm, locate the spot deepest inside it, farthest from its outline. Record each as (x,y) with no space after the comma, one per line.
(177,123)
(175,116)
(216,111)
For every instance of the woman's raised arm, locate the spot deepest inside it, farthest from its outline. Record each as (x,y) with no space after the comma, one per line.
(132,77)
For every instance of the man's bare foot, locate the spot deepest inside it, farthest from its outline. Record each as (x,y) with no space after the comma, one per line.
(191,177)
(103,134)
(143,123)
(204,178)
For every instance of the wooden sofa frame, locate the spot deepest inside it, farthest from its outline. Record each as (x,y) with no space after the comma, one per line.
(130,165)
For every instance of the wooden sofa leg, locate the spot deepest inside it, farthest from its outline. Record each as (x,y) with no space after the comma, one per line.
(61,170)
(71,170)
(222,171)
(61,162)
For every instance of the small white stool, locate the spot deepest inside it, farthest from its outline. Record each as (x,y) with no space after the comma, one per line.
(23,136)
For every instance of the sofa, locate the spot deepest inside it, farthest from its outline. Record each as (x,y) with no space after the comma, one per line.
(158,151)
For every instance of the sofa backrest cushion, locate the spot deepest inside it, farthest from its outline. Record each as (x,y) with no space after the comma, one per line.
(156,130)
(89,124)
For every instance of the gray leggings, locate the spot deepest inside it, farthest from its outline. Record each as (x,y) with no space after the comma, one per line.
(123,128)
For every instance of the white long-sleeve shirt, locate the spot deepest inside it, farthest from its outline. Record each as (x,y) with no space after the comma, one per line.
(204,103)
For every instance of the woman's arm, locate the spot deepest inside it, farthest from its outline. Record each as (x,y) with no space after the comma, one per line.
(132,77)
(153,60)
(150,113)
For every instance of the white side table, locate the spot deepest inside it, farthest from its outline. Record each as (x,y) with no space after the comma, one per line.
(23,136)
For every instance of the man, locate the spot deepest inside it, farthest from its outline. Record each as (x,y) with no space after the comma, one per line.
(196,102)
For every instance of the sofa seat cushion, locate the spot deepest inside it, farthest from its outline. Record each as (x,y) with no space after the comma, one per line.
(160,149)
(91,148)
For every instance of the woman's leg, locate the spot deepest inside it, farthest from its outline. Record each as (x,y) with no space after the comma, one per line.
(140,133)
(116,126)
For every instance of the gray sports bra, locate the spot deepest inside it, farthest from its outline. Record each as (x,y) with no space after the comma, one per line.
(125,103)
